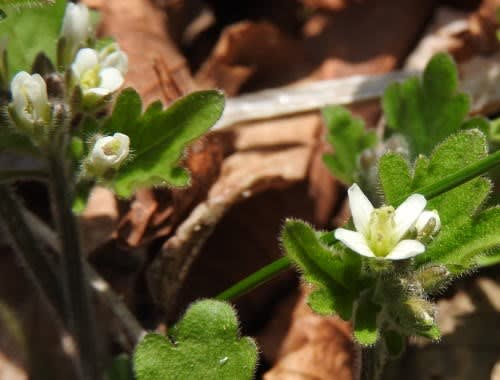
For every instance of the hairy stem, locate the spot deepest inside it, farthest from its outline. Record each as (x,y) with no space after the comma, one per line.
(79,310)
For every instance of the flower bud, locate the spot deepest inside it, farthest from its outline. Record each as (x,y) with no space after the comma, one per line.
(422,312)
(108,153)
(433,277)
(76,26)
(30,108)
(428,225)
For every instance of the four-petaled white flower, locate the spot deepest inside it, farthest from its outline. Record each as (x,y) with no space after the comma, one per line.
(108,152)
(380,232)
(98,75)
(76,26)
(30,103)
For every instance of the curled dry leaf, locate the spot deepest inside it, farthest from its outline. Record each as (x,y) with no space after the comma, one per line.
(235,61)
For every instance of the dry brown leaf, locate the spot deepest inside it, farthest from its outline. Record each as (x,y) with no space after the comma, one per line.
(156,69)
(315,347)
(256,52)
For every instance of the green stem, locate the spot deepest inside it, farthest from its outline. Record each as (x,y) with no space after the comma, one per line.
(79,311)
(458,178)
(255,279)
(430,191)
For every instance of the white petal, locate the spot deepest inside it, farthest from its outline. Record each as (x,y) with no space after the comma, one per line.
(17,82)
(111,79)
(406,249)
(407,214)
(86,59)
(98,92)
(361,208)
(116,59)
(124,141)
(354,240)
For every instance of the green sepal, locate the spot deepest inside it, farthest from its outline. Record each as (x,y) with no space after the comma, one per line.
(365,327)
(324,302)
(349,138)
(204,345)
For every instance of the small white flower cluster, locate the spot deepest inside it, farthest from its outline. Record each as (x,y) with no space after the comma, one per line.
(382,232)
(97,73)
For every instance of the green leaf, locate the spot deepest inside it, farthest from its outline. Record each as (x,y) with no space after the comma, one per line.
(429,110)
(204,345)
(349,138)
(396,179)
(159,137)
(365,321)
(337,277)
(31,31)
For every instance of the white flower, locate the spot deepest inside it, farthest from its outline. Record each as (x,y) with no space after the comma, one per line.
(30,103)
(428,223)
(97,78)
(76,25)
(380,232)
(109,152)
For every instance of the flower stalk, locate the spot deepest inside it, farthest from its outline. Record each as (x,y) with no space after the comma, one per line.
(79,312)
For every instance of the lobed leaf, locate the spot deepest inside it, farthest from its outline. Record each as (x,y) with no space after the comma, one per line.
(429,110)
(204,345)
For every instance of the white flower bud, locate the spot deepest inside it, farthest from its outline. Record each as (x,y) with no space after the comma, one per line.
(30,105)
(76,25)
(428,223)
(108,152)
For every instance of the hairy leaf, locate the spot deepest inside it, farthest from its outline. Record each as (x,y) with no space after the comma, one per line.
(348,137)
(429,110)
(159,137)
(204,345)
(335,275)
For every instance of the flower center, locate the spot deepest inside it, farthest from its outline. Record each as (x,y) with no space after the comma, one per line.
(380,237)
(112,148)
(91,78)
